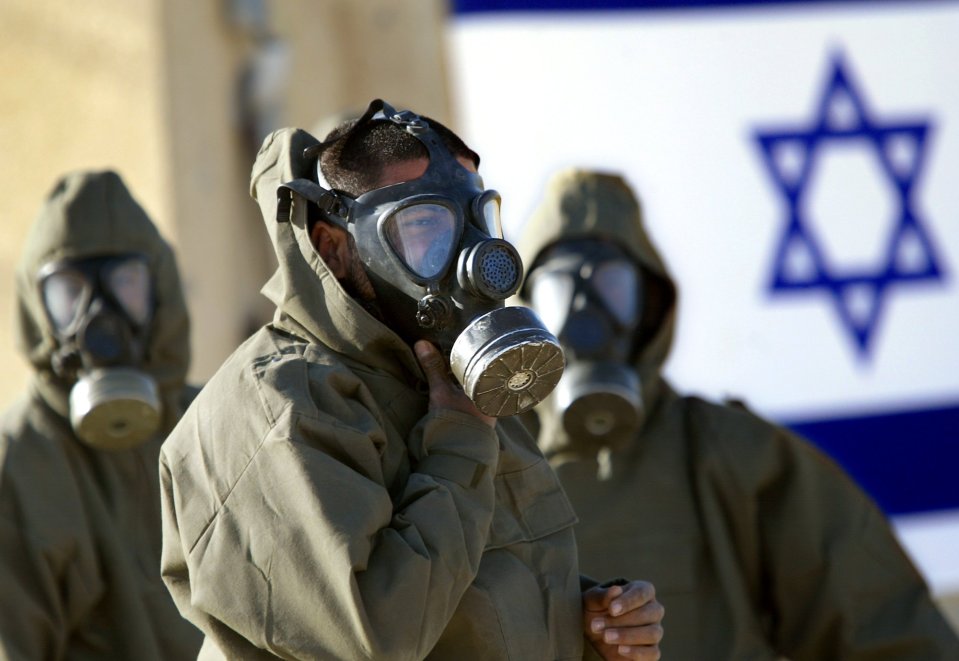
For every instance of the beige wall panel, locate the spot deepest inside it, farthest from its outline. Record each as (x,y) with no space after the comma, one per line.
(77,91)
(348,52)
(339,54)
(221,240)
(151,88)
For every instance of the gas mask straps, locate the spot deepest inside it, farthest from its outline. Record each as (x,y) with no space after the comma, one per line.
(434,252)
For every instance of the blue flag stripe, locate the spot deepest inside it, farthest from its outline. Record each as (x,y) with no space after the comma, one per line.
(486,6)
(907,461)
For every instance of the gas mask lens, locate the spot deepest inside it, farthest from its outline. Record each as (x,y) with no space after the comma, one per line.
(65,294)
(128,281)
(423,236)
(68,287)
(551,294)
(560,285)
(617,284)
(486,208)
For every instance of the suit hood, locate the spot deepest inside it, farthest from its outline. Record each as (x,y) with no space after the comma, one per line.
(580,204)
(309,300)
(91,214)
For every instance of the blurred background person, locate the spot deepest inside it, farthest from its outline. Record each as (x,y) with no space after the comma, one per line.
(758,544)
(102,320)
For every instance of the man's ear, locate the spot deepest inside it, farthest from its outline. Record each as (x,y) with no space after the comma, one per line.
(333,245)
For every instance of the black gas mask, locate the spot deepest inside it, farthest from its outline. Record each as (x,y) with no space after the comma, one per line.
(100,309)
(433,249)
(589,293)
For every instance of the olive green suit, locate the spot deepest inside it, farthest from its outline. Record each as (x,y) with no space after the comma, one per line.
(80,527)
(315,509)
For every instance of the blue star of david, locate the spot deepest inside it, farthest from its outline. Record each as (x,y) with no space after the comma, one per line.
(800,264)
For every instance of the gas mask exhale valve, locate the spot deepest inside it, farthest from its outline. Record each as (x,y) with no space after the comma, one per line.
(434,252)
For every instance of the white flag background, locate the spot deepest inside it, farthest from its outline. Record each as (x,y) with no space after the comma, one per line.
(798,165)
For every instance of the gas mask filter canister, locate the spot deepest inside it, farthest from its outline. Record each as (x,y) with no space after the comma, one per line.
(506,361)
(600,401)
(114,408)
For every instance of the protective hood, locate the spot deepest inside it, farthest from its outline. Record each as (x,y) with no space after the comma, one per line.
(93,214)
(309,300)
(586,204)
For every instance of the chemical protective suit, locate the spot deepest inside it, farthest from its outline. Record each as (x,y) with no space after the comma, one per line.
(79,523)
(760,546)
(314,508)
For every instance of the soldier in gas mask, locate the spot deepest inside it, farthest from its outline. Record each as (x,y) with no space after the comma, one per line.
(332,493)
(760,547)
(102,321)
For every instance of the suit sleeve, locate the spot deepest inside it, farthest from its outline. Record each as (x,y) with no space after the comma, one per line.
(311,555)
(48,587)
(839,585)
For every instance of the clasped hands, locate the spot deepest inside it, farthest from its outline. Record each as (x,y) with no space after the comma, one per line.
(624,621)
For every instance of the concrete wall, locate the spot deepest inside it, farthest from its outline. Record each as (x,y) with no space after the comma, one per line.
(161,91)
(78,91)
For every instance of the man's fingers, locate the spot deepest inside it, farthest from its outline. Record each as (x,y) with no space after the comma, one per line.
(647,634)
(624,622)
(431,360)
(444,392)
(636,594)
(640,652)
(611,628)
(599,598)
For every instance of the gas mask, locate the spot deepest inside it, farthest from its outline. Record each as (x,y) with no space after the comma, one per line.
(100,309)
(434,253)
(589,293)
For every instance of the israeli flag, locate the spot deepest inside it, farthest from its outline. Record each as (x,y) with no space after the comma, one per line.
(798,164)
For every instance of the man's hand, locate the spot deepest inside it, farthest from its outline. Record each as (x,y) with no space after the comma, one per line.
(624,622)
(444,393)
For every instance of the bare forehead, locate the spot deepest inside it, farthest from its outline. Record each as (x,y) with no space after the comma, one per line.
(401,171)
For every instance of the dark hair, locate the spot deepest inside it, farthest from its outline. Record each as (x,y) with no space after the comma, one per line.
(355,164)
